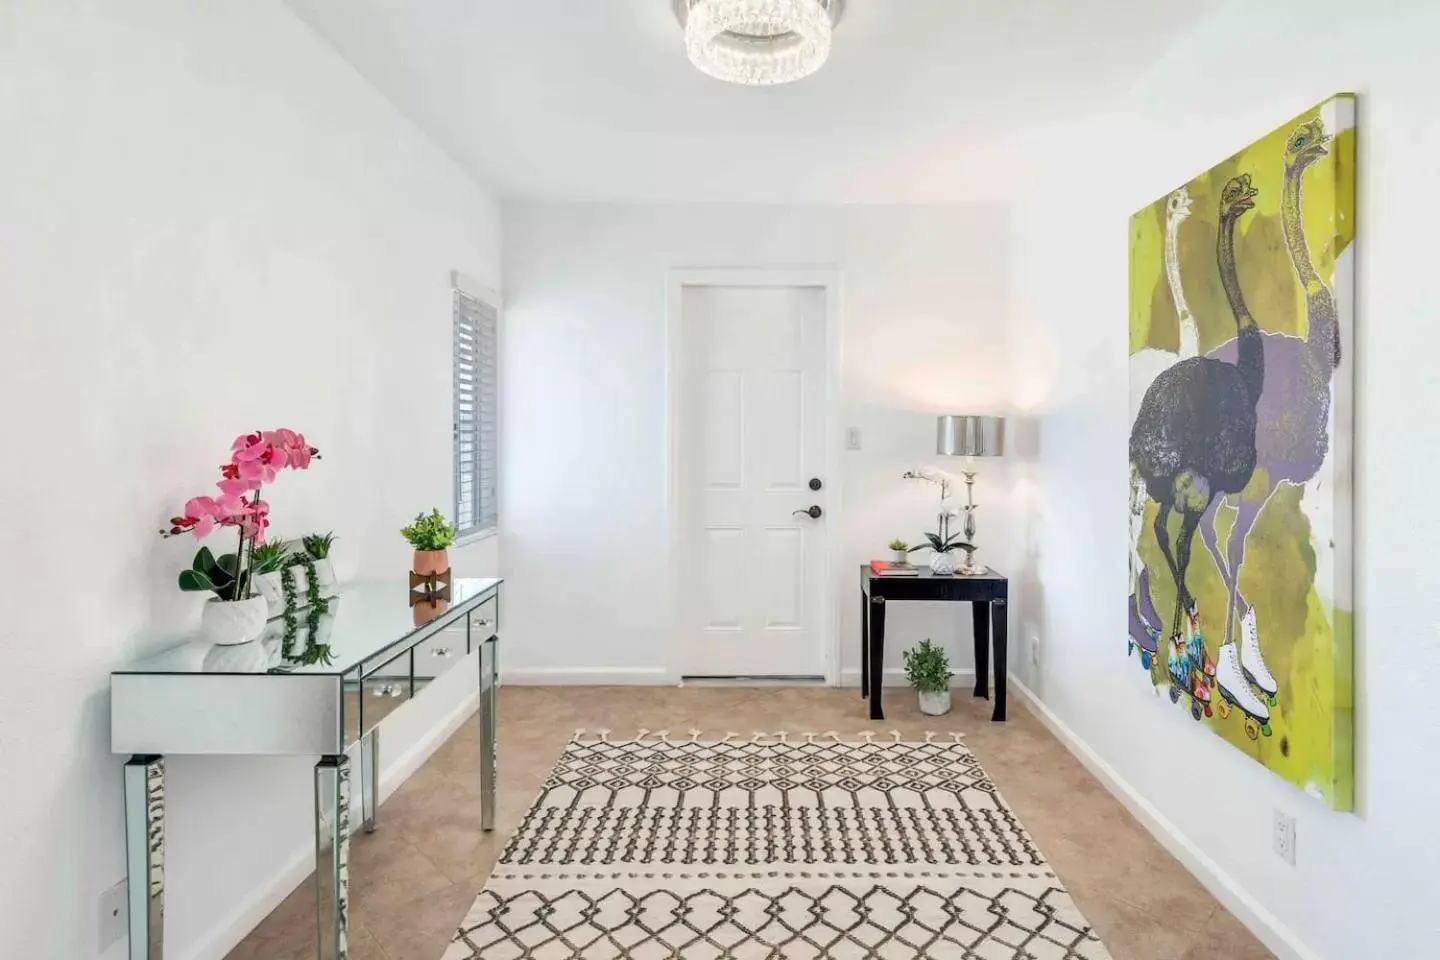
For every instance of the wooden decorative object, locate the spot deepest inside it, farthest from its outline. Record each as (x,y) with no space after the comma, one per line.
(429,587)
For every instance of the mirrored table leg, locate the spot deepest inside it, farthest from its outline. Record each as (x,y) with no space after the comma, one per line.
(488,674)
(370,777)
(332,856)
(145,855)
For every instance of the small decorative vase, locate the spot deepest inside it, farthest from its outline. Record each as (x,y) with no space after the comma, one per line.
(935,704)
(430,563)
(942,564)
(230,622)
(902,556)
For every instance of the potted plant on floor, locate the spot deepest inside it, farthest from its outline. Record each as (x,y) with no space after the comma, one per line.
(927,667)
(235,614)
(900,551)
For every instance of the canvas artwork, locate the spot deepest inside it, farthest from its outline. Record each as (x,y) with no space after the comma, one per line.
(1241,335)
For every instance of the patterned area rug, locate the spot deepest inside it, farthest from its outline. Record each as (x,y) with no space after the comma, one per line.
(787,847)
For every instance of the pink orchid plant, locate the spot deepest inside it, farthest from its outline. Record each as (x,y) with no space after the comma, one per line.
(255,460)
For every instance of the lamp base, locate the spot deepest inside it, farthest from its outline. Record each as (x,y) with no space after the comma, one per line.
(970,568)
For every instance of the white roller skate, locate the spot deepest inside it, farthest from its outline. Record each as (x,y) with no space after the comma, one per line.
(1235,691)
(1251,662)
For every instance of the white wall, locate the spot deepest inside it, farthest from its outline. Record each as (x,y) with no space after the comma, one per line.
(208,224)
(583,507)
(1365,885)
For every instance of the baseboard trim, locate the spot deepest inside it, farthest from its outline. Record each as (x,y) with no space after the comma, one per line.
(895,677)
(1225,888)
(586,676)
(302,863)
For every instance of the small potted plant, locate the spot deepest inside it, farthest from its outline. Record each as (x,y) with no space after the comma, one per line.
(900,550)
(942,544)
(270,559)
(927,667)
(431,535)
(317,548)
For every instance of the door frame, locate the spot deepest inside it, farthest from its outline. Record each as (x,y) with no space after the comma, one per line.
(825,278)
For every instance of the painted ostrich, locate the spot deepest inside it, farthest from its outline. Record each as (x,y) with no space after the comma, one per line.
(1292,438)
(1145,365)
(1194,437)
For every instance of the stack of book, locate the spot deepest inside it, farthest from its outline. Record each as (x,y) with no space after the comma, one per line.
(884,568)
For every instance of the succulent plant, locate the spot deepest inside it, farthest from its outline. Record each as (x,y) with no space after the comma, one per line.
(318,544)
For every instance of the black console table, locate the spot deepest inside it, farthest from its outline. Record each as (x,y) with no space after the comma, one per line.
(983,592)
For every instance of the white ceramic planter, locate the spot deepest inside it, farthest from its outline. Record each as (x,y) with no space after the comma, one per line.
(901,556)
(935,704)
(230,622)
(942,564)
(325,577)
(271,586)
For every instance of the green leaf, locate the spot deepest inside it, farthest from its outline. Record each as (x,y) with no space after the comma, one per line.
(204,560)
(195,580)
(230,564)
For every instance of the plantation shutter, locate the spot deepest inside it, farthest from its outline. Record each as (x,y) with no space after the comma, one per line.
(477,451)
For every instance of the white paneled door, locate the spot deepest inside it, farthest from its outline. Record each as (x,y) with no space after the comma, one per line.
(751,445)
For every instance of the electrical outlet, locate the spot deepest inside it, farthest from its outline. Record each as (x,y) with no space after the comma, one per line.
(1285,837)
(114,920)
(852,438)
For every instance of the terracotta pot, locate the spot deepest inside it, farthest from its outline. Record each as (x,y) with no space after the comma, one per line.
(427,610)
(429,563)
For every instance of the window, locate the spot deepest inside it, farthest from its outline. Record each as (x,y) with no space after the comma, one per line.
(476,422)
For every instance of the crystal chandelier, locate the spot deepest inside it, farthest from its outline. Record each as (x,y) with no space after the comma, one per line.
(758,41)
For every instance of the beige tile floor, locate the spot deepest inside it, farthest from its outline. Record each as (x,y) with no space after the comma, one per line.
(413,880)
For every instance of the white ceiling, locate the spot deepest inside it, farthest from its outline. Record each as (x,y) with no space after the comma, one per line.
(921,101)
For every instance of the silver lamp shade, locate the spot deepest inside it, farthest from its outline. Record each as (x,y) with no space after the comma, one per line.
(967,436)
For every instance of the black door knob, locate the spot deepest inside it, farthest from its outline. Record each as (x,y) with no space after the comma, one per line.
(815,483)
(813,512)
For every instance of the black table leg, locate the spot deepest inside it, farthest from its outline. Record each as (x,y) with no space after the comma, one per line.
(981,612)
(1002,642)
(877,655)
(864,645)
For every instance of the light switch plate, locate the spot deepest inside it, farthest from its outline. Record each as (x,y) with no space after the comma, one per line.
(852,438)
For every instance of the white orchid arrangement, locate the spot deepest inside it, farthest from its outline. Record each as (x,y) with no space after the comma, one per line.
(942,541)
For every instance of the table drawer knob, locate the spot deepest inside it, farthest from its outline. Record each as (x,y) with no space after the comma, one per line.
(441,652)
(484,623)
(389,690)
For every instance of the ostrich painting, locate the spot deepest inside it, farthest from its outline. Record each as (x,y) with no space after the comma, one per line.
(1240,454)
(1292,432)
(1194,437)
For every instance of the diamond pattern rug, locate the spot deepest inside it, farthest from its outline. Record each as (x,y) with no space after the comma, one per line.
(808,848)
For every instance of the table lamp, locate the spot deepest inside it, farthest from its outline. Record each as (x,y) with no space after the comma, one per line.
(969,437)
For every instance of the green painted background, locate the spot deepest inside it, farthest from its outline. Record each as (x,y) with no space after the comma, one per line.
(1306,642)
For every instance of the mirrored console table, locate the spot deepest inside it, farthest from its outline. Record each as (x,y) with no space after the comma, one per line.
(316,685)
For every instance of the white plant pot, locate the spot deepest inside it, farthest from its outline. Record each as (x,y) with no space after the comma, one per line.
(935,704)
(325,577)
(902,556)
(942,564)
(272,591)
(230,622)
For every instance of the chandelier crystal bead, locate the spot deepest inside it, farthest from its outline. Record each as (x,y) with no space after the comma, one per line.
(758,42)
